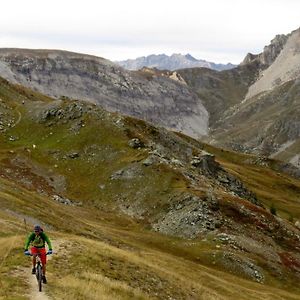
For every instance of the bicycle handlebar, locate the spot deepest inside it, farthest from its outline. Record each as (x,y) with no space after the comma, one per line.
(38,254)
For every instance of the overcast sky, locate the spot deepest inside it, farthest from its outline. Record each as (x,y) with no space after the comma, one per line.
(215,30)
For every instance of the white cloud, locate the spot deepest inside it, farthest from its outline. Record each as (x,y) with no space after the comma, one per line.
(216,30)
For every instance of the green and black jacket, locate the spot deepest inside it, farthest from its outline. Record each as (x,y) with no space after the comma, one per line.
(37,241)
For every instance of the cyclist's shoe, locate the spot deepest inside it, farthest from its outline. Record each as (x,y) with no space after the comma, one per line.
(44,279)
(33,271)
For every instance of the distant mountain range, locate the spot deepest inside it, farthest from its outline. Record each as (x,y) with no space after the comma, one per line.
(173,62)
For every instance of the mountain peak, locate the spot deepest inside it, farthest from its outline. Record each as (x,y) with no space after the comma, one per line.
(174,62)
(270,52)
(279,63)
(190,57)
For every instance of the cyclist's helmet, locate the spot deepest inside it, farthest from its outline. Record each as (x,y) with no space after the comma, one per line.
(37,228)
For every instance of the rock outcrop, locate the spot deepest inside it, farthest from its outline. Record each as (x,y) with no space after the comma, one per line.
(270,53)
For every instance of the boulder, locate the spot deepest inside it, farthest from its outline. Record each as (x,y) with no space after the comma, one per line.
(65,201)
(150,160)
(135,143)
(73,155)
(206,163)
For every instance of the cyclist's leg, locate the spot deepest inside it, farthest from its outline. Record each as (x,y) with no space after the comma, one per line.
(43,256)
(34,253)
(44,269)
(33,260)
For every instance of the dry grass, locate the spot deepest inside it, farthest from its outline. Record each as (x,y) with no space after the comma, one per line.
(125,262)
(11,258)
(144,274)
(94,286)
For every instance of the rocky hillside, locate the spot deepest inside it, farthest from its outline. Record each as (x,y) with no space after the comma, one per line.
(138,199)
(271,124)
(255,107)
(158,99)
(173,62)
(221,91)
(269,115)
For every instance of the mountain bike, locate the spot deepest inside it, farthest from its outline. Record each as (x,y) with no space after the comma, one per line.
(39,271)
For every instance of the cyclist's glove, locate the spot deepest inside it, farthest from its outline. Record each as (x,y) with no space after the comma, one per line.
(49,252)
(26,252)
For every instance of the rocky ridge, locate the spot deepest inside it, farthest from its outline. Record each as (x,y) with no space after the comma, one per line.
(270,52)
(158,99)
(280,63)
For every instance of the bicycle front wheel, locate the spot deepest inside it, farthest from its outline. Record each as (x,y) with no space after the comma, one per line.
(39,275)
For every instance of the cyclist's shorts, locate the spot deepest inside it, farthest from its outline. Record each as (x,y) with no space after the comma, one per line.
(41,252)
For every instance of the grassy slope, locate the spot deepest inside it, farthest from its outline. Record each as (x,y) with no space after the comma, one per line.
(108,253)
(99,254)
(288,153)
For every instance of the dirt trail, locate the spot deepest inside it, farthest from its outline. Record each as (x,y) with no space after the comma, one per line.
(34,294)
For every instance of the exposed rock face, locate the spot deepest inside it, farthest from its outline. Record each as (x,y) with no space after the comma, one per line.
(270,53)
(65,201)
(219,91)
(173,62)
(282,57)
(249,58)
(268,118)
(254,108)
(154,72)
(207,163)
(158,99)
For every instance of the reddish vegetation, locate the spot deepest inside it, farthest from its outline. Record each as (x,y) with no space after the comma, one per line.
(290,261)
(16,173)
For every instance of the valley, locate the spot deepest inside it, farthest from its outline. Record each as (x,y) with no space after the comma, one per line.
(137,211)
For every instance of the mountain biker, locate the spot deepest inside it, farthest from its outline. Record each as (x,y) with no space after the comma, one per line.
(37,241)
